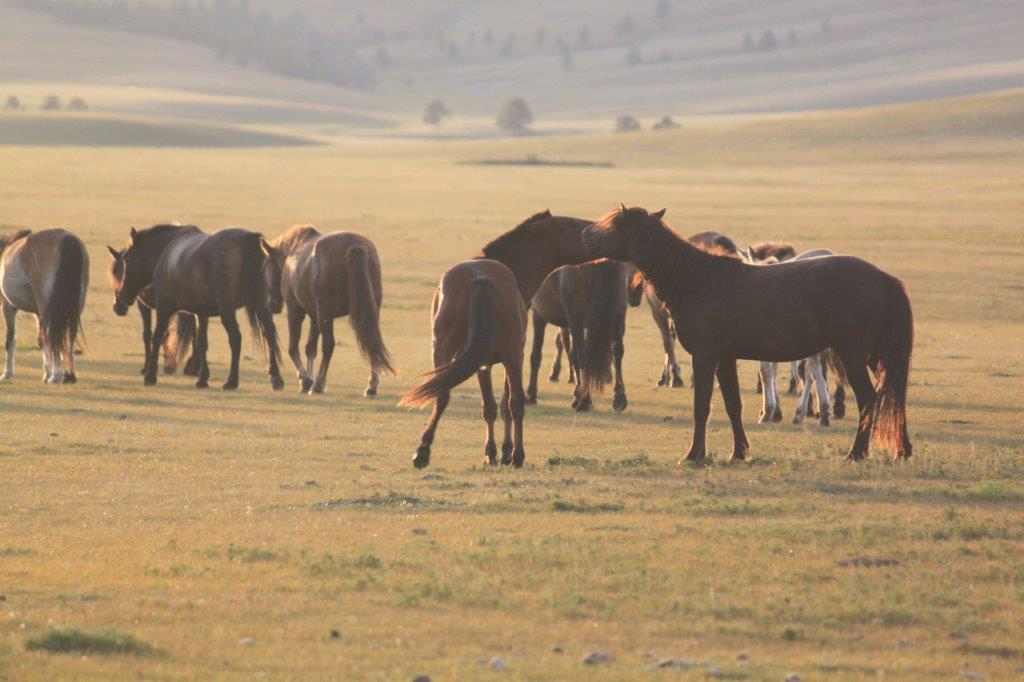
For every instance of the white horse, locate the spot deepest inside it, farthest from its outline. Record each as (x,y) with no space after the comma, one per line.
(814,366)
(46,273)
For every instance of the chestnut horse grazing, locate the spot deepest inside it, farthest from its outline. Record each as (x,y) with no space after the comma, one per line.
(477,322)
(324,277)
(207,276)
(180,335)
(46,273)
(588,302)
(726,310)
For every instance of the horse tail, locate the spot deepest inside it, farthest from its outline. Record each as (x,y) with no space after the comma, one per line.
(601,322)
(892,369)
(364,311)
(62,313)
(836,365)
(482,327)
(184,336)
(254,296)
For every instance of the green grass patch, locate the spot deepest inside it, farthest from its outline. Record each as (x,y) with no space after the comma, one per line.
(584,507)
(75,641)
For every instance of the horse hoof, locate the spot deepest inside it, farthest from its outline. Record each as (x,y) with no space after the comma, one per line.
(857,455)
(762,419)
(518,459)
(70,378)
(506,454)
(202,384)
(740,455)
(277,383)
(422,458)
(553,377)
(318,388)
(823,420)
(839,410)
(491,454)
(149,380)
(662,381)
(142,371)
(584,405)
(531,399)
(169,369)
(677,382)
(6,377)
(777,417)
(619,403)
(797,418)
(693,457)
(230,386)
(792,387)
(305,385)
(370,392)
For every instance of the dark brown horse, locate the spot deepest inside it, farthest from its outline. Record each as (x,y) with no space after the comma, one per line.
(46,273)
(479,320)
(586,302)
(324,277)
(180,335)
(207,276)
(726,310)
(670,373)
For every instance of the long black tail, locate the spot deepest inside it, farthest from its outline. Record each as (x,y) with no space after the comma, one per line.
(254,296)
(62,313)
(601,322)
(364,311)
(892,370)
(482,327)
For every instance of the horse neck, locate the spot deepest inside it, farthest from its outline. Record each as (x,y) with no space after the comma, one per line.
(159,243)
(531,260)
(674,268)
(294,241)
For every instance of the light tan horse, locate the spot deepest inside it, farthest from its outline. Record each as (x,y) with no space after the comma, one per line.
(46,273)
(324,277)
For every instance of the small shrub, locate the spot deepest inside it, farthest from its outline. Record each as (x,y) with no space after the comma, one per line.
(626,124)
(666,123)
(435,113)
(77,104)
(515,116)
(74,641)
(51,103)
(13,103)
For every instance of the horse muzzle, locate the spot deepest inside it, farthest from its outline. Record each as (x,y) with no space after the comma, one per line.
(120,309)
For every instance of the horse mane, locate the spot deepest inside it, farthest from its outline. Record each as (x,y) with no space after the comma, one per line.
(295,236)
(779,250)
(11,237)
(160,230)
(516,235)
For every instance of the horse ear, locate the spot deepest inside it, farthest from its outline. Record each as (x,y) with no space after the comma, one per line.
(268,250)
(113,252)
(133,233)
(659,214)
(622,208)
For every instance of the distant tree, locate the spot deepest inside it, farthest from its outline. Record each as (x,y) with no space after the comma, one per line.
(542,37)
(435,113)
(383,57)
(584,36)
(626,124)
(662,10)
(767,41)
(666,123)
(748,42)
(471,40)
(508,46)
(625,26)
(515,116)
(51,103)
(77,104)
(488,37)
(793,37)
(826,26)
(634,57)
(568,61)
(13,103)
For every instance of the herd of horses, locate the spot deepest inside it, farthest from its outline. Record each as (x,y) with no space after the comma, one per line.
(816,310)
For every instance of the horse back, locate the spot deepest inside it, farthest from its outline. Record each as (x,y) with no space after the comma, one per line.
(30,268)
(450,324)
(321,279)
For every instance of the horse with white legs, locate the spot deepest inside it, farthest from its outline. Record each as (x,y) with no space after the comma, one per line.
(46,273)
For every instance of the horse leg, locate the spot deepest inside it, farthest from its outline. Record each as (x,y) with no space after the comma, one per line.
(860,382)
(670,371)
(839,400)
(770,398)
(163,320)
(803,404)
(266,323)
(230,321)
(147,333)
(195,359)
(69,363)
(794,375)
(506,418)
(10,317)
(422,457)
(199,348)
(326,350)
(816,367)
(568,342)
(582,401)
(703,387)
(311,345)
(490,412)
(619,402)
(517,406)
(535,357)
(296,316)
(556,366)
(729,383)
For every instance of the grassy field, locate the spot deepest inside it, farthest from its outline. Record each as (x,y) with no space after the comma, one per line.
(286,536)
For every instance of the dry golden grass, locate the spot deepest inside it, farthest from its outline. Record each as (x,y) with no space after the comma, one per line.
(194,520)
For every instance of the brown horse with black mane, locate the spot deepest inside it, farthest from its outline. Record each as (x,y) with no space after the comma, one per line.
(46,273)
(478,319)
(181,333)
(727,310)
(205,275)
(324,277)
